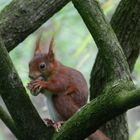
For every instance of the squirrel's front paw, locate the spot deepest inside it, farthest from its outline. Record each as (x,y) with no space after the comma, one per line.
(32,89)
(36,86)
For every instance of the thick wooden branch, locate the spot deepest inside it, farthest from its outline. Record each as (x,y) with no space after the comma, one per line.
(126,24)
(105,38)
(117,98)
(8,121)
(26,118)
(25,18)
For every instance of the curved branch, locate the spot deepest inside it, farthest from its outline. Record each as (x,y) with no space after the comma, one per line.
(26,17)
(4,116)
(117,98)
(26,118)
(126,24)
(109,48)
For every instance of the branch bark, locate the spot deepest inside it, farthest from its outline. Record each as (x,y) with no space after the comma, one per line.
(26,118)
(105,38)
(26,17)
(126,24)
(128,34)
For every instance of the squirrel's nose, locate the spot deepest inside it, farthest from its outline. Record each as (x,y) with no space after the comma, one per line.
(34,75)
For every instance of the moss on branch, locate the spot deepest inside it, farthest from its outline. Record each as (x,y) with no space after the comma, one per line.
(118,97)
(126,25)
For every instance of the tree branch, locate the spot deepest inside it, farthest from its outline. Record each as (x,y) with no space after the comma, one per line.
(27,120)
(4,116)
(117,98)
(26,17)
(128,34)
(105,38)
(126,24)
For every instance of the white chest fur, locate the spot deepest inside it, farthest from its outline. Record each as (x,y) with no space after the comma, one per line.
(51,109)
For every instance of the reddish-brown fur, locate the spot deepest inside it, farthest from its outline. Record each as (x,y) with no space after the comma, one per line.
(68,87)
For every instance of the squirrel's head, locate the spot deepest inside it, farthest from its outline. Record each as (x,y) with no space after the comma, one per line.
(42,64)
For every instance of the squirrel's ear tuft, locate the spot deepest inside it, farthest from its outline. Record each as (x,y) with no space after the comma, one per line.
(37,47)
(50,51)
(51,45)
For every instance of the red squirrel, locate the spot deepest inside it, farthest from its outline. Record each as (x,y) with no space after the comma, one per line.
(65,88)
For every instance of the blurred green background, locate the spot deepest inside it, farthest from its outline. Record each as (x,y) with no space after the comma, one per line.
(74,47)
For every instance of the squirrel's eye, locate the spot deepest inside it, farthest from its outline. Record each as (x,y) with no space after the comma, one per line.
(42,66)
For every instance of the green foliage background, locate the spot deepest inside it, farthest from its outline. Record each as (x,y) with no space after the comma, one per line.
(74,47)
